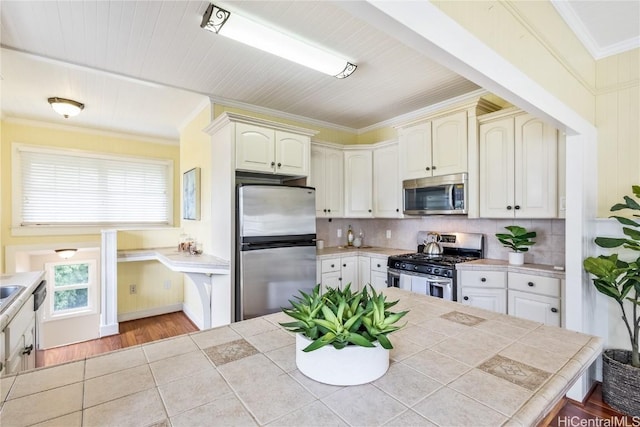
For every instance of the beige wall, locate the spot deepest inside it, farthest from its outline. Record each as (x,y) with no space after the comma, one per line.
(618,122)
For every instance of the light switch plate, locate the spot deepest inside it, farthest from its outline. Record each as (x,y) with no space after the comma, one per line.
(388,234)
(339,232)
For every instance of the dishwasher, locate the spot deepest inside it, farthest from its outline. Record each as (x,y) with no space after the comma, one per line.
(39,297)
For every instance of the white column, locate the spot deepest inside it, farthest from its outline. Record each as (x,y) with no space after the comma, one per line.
(109,283)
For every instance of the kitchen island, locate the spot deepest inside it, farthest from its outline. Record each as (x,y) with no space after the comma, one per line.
(451,365)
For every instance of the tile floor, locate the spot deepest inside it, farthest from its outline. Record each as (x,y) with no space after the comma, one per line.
(451,365)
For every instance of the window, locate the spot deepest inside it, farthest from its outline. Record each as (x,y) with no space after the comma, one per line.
(65,187)
(72,287)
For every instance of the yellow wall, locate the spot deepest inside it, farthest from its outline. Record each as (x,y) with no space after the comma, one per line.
(74,139)
(195,151)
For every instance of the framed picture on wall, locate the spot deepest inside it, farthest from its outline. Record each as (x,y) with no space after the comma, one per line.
(191,194)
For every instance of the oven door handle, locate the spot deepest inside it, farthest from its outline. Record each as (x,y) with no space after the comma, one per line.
(450,193)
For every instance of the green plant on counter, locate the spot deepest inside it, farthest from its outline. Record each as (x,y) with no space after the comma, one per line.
(620,280)
(341,317)
(518,239)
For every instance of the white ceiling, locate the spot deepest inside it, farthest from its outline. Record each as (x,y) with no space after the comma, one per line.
(144,67)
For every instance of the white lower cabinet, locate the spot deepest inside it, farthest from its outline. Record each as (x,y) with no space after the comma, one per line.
(489,299)
(364,272)
(483,289)
(379,273)
(19,338)
(535,298)
(339,272)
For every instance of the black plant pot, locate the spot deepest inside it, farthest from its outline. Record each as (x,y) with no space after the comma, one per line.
(620,382)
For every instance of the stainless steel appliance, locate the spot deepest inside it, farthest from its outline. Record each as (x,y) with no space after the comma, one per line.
(440,195)
(39,297)
(434,274)
(276,252)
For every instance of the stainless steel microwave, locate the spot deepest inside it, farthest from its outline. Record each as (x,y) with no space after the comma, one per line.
(438,195)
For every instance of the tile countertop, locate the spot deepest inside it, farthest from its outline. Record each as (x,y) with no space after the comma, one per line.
(30,281)
(331,252)
(501,265)
(451,365)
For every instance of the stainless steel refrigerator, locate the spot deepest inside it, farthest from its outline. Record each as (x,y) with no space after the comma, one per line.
(276,253)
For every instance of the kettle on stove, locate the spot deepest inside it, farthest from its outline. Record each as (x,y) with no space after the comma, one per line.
(432,245)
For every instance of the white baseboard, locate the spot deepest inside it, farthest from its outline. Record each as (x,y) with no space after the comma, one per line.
(106,330)
(133,315)
(191,315)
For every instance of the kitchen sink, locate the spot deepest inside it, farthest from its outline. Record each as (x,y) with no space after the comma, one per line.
(7,294)
(354,247)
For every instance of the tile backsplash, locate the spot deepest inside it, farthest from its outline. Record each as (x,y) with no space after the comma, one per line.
(549,248)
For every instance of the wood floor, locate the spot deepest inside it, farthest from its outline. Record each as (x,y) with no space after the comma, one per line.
(594,412)
(133,332)
(567,413)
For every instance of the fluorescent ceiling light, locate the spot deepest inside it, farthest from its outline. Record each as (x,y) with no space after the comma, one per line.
(249,32)
(65,107)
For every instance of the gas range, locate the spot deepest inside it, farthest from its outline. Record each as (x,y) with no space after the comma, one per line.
(434,274)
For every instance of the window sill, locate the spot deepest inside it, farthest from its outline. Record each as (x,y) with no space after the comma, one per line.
(69,230)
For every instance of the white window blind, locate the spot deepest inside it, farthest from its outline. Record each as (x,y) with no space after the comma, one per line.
(70,188)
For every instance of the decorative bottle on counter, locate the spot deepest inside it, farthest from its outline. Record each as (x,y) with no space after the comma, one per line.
(349,237)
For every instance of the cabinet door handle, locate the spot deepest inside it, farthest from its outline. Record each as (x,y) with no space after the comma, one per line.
(484,279)
(554,310)
(517,207)
(509,208)
(340,279)
(378,265)
(332,265)
(344,265)
(465,298)
(324,210)
(28,349)
(433,167)
(279,165)
(369,210)
(531,284)
(428,168)
(273,164)
(397,210)
(329,210)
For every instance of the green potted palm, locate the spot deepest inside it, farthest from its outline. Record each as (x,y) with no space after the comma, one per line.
(341,336)
(518,240)
(620,281)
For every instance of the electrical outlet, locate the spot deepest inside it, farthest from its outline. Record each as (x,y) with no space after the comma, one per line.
(167,284)
(133,289)
(388,234)
(339,232)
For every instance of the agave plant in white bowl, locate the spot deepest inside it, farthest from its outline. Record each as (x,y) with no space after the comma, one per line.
(341,336)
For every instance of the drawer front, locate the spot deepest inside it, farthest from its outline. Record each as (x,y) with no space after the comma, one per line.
(484,279)
(330,264)
(535,284)
(379,264)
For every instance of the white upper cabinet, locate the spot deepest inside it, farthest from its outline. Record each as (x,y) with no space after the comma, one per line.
(387,186)
(518,168)
(292,153)
(449,144)
(327,177)
(265,150)
(358,180)
(434,148)
(255,148)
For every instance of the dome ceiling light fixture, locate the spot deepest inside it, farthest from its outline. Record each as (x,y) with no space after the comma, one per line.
(66,253)
(65,107)
(252,33)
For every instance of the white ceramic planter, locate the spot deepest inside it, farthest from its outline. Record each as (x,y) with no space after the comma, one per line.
(516,258)
(351,365)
